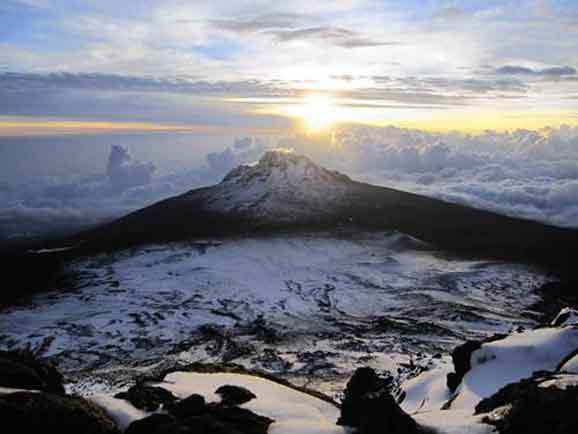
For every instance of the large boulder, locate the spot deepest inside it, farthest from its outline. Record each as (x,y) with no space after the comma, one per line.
(234,395)
(534,406)
(461,356)
(147,398)
(369,407)
(31,412)
(23,370)
(157,424)
(237,419)
(193,416)
(193,405)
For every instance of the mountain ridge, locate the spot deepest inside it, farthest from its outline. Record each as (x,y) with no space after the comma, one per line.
(289,192)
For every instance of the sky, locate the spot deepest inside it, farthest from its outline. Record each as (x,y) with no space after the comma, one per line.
(105,109)
(212,65)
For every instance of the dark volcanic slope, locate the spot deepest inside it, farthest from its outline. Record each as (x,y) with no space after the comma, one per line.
(289,192)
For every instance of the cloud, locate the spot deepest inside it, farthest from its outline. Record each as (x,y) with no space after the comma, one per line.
(124,172)
(337,36)
(524,173)
(61,205)
(555,71)
(530,174)
(243,151)
(17,81)
(260,22)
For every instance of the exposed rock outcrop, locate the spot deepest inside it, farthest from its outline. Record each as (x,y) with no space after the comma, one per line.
(234,395)
(371,409)
(534,406)
(147,398)
(461,356)
(194,415)
(23,370)
(31,412)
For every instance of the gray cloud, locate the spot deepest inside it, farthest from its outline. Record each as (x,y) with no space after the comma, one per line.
(470,86)
(259,23)
(105,96)
(450,13)
(556,71)
(334,35)
(127,98)
(15,81)
(125,172)
(244,150)
(287,27)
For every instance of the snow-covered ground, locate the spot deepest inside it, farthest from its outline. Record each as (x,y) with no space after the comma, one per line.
(493,366)
(335,302)
(294,412)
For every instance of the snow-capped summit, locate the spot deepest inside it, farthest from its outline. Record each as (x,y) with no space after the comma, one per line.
(284,166)
(282,186)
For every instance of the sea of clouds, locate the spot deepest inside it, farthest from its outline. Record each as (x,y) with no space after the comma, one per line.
(523,173)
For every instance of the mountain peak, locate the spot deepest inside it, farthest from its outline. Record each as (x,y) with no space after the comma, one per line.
(282,186)
(282,166)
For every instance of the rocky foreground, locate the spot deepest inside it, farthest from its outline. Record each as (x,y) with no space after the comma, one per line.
(524,382)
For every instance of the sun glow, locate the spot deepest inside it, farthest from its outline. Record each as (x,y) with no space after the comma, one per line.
(318,112)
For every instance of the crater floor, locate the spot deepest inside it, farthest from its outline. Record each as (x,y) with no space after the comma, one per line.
(309,308)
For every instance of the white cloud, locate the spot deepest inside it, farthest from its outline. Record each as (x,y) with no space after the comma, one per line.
(51,206)
(124,172)
(524,173)
(244,150)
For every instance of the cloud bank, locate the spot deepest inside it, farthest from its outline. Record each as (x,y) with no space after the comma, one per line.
(524,173)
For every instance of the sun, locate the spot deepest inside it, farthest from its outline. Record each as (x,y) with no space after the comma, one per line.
(318,112)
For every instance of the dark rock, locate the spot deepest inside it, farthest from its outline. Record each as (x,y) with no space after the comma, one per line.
(566,360)
(271,361)
(533,409)
(146,398)
(207,424)
(234,395)
(213,418)
(23,370)
(30,412)
(157,424)
(220,342)
(369,407)
(262,330)
(364,381)
(193,405)
(240,419)
(461,356)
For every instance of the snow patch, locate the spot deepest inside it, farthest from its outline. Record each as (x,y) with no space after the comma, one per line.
(294,412)
(121,411)
(571,366)
(511,359)
(566,316)
(494,365)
